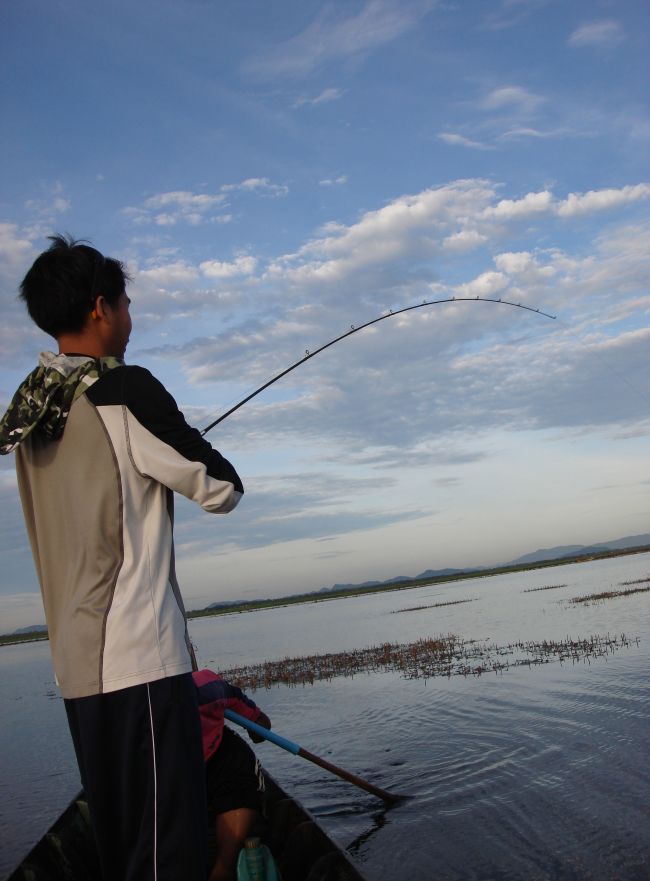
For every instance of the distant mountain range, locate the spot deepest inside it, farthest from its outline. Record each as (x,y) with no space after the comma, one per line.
(32,628)
(539,556)
(399,579)
(618,544)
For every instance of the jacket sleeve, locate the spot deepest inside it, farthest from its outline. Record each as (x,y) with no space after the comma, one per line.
(164,447)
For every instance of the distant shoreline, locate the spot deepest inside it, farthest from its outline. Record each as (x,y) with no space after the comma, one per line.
(278,602)
(299,599)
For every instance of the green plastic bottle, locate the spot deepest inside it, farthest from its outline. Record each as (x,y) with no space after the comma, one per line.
(255,862)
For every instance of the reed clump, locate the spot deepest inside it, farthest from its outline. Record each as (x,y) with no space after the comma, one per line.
(608,594)
(546,587)
(433,606)
(425,658)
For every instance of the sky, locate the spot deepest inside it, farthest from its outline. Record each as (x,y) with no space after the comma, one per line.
(275,173)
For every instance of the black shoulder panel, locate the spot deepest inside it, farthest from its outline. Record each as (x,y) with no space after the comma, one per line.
(156,410)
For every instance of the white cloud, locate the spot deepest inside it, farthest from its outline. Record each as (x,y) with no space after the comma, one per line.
(184,200)
(457,217)
(16,252)
(333,182)
(257,185)
(182,206)
(606,33)
(176,206)
(177,288)
(531,203)
(168,219)
(631,239)
(485,285)
(599,200)
(457,140)
(574,204)
(163,289)
(527,132)
(168,275)
(514,263)
(464,240)
(403,217)
(509,13)
(325,97)
(243,265)
(334,35)
(404,226)
(523,266)
(511,97)
(55,202)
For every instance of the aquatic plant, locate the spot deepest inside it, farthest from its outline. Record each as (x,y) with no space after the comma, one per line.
(608,595)
(425,658)
(433,606)
(547,587)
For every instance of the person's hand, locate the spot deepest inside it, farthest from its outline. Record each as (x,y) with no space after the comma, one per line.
(265,722)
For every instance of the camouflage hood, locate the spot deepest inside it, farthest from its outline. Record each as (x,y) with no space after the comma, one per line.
(44,398)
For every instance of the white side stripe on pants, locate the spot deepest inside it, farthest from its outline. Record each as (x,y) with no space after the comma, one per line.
(155,792)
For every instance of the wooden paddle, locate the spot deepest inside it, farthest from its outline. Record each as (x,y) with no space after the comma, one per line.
(292,747)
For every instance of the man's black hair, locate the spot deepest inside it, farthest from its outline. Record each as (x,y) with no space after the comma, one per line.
(64,282)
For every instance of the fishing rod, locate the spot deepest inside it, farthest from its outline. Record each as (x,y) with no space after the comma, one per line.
(355,329)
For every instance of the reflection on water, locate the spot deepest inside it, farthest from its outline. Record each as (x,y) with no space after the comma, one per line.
(536,773)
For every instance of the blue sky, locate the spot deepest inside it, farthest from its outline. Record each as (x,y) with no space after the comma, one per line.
(273,173)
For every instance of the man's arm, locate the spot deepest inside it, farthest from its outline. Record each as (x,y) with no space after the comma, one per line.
(163,446)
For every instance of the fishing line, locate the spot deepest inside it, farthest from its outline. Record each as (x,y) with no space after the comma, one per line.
(355,329)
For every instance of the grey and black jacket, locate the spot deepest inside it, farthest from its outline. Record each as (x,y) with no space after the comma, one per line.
(98,504)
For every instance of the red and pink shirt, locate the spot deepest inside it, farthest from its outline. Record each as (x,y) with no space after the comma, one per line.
(215,696)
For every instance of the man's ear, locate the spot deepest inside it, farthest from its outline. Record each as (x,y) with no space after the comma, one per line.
(101,308)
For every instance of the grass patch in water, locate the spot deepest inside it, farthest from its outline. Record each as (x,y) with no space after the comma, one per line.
(440,656)
(608,595)
(546,587)
(433,606)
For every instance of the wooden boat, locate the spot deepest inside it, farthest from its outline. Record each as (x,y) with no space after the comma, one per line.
(302,850)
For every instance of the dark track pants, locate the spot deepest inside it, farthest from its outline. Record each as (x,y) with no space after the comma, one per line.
(141,762)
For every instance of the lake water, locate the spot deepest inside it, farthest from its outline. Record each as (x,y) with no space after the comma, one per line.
(534,773)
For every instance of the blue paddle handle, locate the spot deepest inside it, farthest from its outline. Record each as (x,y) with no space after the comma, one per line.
(289,745)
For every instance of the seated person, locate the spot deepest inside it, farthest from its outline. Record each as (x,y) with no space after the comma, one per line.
(234,777)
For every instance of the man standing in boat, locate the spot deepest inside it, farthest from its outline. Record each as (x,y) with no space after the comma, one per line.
(100,449)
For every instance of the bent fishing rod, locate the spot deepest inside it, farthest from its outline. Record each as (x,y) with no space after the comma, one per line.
(355,329)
